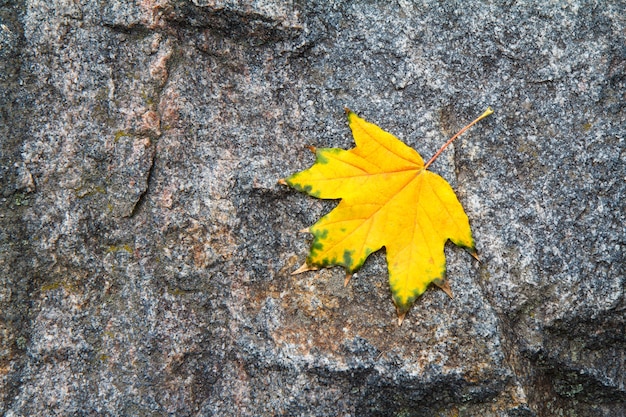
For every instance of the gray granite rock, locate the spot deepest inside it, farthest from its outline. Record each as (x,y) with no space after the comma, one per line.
(146,247)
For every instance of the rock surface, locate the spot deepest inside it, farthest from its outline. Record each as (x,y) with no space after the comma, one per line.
(146,248)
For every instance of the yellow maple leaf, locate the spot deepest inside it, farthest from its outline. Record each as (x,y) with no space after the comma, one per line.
(388,199)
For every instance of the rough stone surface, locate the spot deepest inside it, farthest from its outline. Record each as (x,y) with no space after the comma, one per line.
(146,248)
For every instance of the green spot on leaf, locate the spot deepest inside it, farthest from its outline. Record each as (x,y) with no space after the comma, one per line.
(321,158)
(303,189)
(347,258)
(320,234)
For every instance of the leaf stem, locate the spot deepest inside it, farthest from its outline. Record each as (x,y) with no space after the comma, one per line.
(460,132)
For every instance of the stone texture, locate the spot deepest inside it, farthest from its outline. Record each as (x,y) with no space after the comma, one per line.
(146,248)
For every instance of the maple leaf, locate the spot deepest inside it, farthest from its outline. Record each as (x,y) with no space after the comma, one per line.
(388,199)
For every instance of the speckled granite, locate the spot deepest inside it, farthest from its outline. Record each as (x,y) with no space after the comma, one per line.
(146,247)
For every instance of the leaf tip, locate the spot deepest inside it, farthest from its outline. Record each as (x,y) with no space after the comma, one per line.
(304,268)
(347,280)
(445,287)
(312,148)
(282,181)
(402,310)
